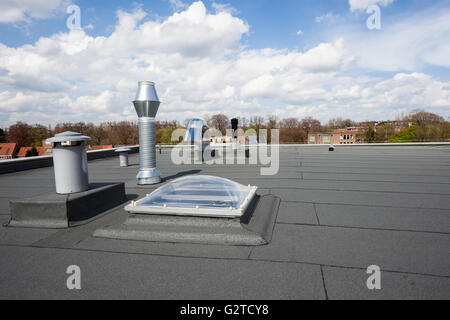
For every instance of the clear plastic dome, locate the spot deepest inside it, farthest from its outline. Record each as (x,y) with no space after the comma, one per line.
(197,195)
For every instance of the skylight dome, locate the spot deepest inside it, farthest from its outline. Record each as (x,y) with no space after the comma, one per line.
(197,196)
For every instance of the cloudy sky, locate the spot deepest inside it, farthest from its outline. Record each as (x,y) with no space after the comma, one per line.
(289,58)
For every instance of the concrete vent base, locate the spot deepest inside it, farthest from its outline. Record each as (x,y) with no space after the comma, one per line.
(62,211)
(254,228)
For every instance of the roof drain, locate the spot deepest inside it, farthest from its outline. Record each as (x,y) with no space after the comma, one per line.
(146,105)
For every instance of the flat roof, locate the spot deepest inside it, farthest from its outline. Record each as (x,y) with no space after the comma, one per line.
(340,213)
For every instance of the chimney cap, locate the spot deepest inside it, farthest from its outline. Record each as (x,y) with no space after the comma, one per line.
(68,136)
(148,83)
(146,92)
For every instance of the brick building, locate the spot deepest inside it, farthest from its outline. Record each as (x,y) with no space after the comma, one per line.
(41,151)
(319,138)
(349,135)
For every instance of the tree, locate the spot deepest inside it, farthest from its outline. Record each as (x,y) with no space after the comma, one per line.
(369,135)
(124,133)
(291,132)
(2,135)
(219,122)
(309,124)
(257,122)
(423,118)
(243,123)
(271,124)
(406,135)
(32,153)
(20,134)
(445,131)
(384,131)
(38,133)
(339,123)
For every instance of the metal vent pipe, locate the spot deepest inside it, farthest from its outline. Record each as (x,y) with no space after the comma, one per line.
(146,105)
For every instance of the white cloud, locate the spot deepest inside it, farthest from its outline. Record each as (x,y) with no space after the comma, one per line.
(328,17)
(407,44)
(299,32)
(177,5)
(200,67)
(24,10)
(219,7)
(364,4)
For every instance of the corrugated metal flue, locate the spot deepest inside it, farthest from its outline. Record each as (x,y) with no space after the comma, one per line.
(146,105)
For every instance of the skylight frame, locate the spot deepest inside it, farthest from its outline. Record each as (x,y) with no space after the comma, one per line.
(138,207)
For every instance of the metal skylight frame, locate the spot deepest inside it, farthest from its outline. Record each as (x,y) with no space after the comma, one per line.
(247,195)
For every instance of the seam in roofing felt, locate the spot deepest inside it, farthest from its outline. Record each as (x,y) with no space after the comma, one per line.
(216,258)
(383,174)
(356,190)
(317,216)
(385,181)
(323,283)
(277,210)
(362,228)
(366,205)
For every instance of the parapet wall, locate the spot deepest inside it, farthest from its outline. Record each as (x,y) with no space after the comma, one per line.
(15,165)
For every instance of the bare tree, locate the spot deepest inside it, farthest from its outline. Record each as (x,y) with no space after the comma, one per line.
(339,123)
(309,124)
(271,124)
(125,133)
(20,133)
(422,118)
(243,122)
(219,122)
(257,122)
(291,132)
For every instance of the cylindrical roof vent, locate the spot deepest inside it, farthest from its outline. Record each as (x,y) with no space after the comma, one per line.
(123,156)
(146,104)
(70,162)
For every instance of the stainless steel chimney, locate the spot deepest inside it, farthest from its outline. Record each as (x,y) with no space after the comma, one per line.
(146,105)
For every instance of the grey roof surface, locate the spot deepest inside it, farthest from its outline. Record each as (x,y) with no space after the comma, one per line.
(340,212)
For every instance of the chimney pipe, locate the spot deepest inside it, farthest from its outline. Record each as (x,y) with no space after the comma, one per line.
(146,104)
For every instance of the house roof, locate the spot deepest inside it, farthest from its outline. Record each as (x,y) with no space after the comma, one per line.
(340,213)
(40,150)
(7,149)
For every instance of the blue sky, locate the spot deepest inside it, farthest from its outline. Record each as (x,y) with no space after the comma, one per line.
(291,58)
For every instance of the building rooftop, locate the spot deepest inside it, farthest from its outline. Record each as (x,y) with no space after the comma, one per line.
(340,213)
(8,149)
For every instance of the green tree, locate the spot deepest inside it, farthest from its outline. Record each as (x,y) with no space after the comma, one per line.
(370,135)
(406,135)
(38,133)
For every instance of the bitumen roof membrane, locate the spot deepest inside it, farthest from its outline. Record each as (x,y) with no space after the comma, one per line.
(340,213)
